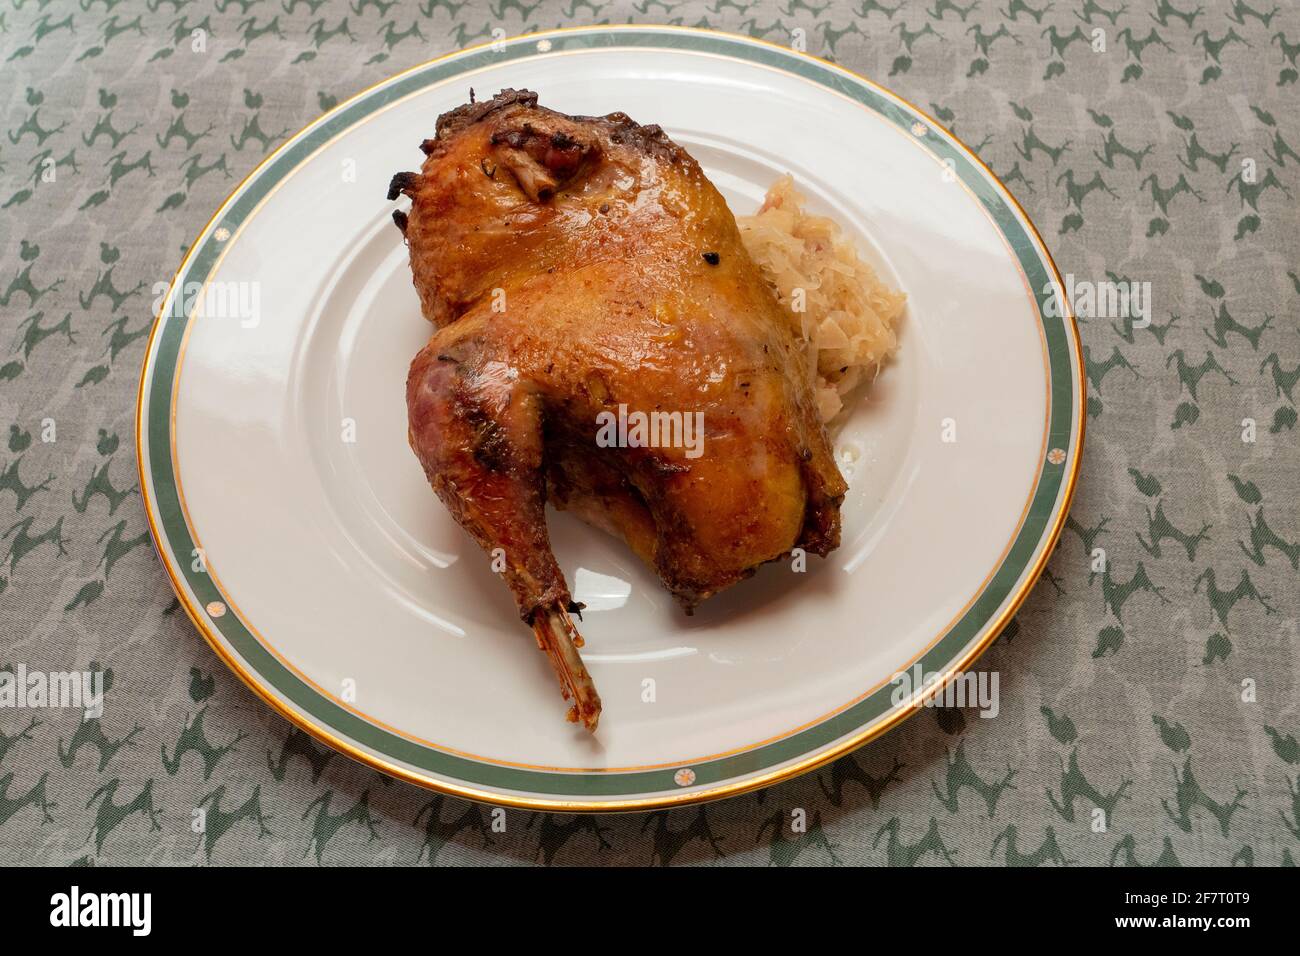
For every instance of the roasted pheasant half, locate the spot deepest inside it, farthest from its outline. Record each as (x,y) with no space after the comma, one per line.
(579,267)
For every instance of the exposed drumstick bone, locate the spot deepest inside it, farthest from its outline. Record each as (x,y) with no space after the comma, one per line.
(557,636)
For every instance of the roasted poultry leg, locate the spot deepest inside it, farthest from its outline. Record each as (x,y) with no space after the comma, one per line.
(580,269)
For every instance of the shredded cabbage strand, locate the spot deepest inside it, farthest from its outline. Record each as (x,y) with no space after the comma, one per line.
(848,315)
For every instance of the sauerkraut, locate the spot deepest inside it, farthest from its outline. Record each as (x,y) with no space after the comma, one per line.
(842,312)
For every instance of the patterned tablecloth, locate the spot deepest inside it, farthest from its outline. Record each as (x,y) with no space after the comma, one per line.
(1154,141)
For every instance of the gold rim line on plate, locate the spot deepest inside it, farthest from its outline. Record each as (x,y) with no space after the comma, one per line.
(799,766)
(288,664)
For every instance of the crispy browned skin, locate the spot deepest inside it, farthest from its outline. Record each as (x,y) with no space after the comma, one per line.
(563,261)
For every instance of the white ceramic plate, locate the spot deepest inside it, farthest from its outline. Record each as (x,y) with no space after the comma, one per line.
(301,536)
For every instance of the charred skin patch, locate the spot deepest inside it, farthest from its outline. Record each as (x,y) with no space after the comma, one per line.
(490,444)
(403,184)
(475,112)
(492,448)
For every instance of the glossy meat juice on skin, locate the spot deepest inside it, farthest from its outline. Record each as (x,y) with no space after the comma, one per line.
(573,265)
